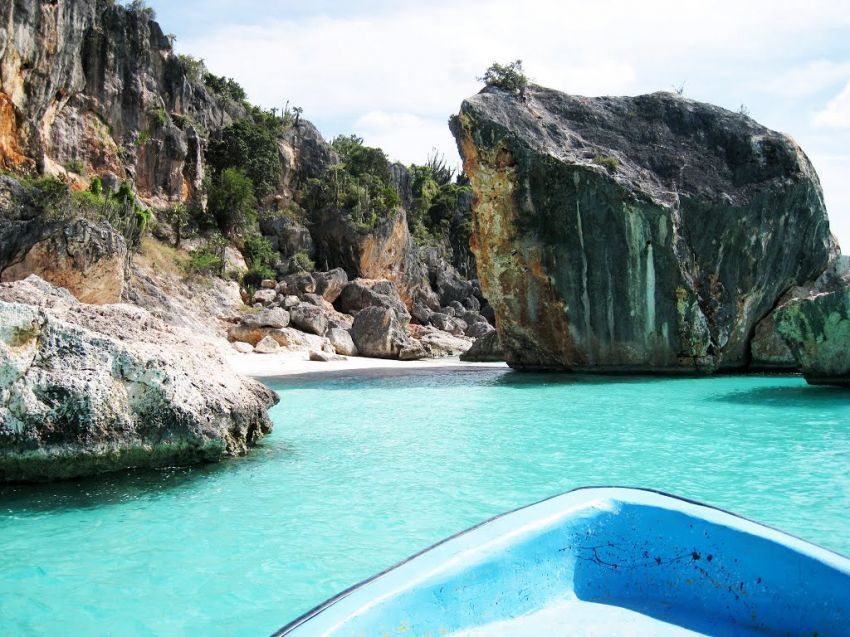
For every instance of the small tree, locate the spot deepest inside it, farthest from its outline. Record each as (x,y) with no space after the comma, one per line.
(178,218)
(509,77)
(231,202)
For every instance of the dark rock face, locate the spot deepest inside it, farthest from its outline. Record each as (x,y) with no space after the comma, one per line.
(648,234)
(86,389)
(486,349)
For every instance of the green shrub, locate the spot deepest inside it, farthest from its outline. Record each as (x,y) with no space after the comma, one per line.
(609,162)
(361,185)
(252,148)
(194,68)
(203,261)
(225,87)
(159,116)
(231,202)
(508,77)
(75,166)
(140,6)
(142,138)
(96,186)
(50,196)
(208,260)
(257,249)
(178,217)
(301,262)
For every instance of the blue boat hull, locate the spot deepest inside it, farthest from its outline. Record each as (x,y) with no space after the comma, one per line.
(601,561)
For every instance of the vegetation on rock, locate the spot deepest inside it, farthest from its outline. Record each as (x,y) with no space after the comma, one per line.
(508,77)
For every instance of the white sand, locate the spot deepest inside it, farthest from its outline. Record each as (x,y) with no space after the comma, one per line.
(288,363)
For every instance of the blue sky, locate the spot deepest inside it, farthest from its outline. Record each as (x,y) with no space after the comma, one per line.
(393,72)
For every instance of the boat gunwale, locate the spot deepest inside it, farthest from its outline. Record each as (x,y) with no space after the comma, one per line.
(310,614)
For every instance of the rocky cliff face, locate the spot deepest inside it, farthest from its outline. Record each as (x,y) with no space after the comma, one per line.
(88,84)
(635,234)
(86,389)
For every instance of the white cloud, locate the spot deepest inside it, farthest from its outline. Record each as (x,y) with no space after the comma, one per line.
(807,79)
(837,112)
(394,76)
(403,136)
(833,171)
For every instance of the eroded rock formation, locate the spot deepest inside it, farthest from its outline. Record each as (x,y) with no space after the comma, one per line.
(634,234)
(86,389)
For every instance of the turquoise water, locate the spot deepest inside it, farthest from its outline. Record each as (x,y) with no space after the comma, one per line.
(360,473)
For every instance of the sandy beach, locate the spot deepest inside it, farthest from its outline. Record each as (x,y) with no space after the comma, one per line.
(297,363)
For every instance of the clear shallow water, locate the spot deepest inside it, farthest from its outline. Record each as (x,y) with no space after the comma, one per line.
(361,473)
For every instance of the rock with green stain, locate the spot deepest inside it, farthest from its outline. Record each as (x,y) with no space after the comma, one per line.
(647,233)
(817,331)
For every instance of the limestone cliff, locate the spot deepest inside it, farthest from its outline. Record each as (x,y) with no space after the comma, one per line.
(88,87)
(634,234)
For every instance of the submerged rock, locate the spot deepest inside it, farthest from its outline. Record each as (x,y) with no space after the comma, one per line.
(648,234)
(87,389)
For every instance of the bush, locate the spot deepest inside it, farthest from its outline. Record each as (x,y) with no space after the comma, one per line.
(140,6)
(609,162)
(361,185)
(96,186)
(178,217)
(231,202)
(208,260)
(226,87)
(159,116)
(75,166)
(509,77)
(301,262)
(257,249)
(194,68)
(252,148)
(203,261)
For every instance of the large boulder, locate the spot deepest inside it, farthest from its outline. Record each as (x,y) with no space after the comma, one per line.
(309,318)
(342,342)
(330,284)
(87,389)
(377,333)
(86,258)
(817,330)
(646,233)
(268,317)
(438,344)
(486,349)
(363,293)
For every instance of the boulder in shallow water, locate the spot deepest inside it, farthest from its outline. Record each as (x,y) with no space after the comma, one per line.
(647,233)
(817,331)
(486,349)
(86,389)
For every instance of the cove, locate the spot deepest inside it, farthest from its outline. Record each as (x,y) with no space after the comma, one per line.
(361,471)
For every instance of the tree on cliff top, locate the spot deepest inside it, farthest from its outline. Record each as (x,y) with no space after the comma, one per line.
(508,77)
